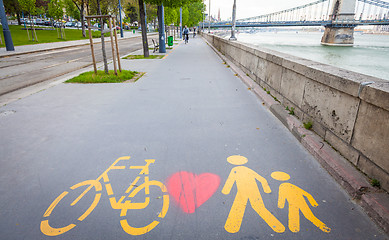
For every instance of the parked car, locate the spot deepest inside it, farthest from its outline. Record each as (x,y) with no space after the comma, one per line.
(69,24)
(58,24)
(79,24)
(40,21)
(47,23)
(97,25)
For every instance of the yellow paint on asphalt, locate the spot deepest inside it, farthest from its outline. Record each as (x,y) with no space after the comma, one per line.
(123,206)
(54,203)
(237,160)
(137,231)
(296,201)
(247,190)
(50,231)
(108,187)
(171,51)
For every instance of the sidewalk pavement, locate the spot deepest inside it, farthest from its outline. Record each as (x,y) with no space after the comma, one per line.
(189,112)
(58,45)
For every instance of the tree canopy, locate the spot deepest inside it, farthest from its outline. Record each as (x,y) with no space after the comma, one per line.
(171,3)
(56,9)
(28,6)
(192,14)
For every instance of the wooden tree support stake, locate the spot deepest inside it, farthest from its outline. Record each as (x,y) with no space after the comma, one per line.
(112,31)
(91,45)
(113,47)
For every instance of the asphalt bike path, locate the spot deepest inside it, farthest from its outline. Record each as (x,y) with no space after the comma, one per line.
(186,152)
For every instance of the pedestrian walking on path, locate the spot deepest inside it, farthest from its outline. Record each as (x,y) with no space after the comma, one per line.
(186,34)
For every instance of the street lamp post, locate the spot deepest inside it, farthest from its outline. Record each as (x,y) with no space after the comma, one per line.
(120,19)
(144,6)
(233,38)
(180,22)
(7,34)
(209,17)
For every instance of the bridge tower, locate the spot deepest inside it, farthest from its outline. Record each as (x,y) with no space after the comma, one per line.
(341,31)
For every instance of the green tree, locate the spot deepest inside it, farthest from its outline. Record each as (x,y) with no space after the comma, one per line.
(171,15)
(29,7)
(80,4)
(41,7)
(56,11)
(13,7)
(71,9)
(132,11)
(185,16)
(151,11)
(106,7)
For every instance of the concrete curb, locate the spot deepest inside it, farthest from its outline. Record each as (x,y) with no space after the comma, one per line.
(375,202)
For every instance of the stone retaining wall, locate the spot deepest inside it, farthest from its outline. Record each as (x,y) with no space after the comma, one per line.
(349,115)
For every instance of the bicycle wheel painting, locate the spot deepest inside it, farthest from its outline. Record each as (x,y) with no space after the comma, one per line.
(154,208)
(56,222)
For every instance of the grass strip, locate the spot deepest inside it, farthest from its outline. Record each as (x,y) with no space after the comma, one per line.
(101,77)
(45,35)
(142,57)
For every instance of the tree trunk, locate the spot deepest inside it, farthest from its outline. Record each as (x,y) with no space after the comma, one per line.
(18,17)
(60,29)
(32,32)
(33,28)
(102,39)
(144,29)
(82,17)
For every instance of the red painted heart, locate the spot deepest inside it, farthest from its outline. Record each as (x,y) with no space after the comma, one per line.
(190,190)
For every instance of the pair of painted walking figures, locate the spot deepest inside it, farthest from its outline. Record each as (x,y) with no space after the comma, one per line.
(247,190)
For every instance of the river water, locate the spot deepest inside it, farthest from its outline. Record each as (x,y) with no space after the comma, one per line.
(369,55)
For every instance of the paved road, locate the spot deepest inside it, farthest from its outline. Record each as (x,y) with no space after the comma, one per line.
(189,124)
(27,69)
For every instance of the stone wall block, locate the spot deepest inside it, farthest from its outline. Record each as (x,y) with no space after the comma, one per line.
(292,86)
(274,59)
(260,70)
(249,61)
(346,150)
(260,54)
(371,134)
(273,75)
(335,110)
(374,172)
(340,79)
(377,94)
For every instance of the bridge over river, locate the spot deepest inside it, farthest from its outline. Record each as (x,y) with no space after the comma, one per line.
(339,17)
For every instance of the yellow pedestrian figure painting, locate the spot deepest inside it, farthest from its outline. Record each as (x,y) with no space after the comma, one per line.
(247,190)
(295,197)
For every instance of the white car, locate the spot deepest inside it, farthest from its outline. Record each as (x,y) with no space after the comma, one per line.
(69,24)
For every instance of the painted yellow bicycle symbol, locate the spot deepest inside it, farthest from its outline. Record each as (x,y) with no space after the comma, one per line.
(131,192)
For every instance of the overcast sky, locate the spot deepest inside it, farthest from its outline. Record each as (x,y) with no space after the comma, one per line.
(251,8)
